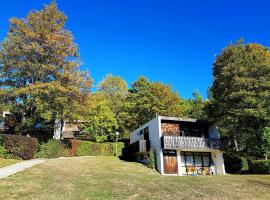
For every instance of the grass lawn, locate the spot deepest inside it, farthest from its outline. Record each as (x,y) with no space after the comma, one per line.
(109,178)
(6,162)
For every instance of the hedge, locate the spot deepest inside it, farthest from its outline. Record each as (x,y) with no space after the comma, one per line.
(51,149)
(56,148)
(87,148)
(235,163)
(19,146)
(260,166)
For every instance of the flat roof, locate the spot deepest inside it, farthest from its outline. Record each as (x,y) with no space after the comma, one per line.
(182,119)
(177,119)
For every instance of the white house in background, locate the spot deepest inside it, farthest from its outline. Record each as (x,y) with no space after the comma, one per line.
(182,146)
(68,131)
(2,123)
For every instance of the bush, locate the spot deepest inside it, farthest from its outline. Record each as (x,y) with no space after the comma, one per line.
(152,160)
(87,148)
(5,153)
(260,166)
(235,163)
(20,146)
(84,149)
(74,144)
(120,146)
(51,149)
(102,149)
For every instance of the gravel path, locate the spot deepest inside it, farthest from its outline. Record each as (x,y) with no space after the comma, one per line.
(12,169)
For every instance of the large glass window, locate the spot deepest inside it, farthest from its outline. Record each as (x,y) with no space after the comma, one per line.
(198,161)
(195,162)
(189,160)
(206,160)
(194,130)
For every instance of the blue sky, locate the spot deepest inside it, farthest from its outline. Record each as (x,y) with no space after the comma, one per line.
(172,41)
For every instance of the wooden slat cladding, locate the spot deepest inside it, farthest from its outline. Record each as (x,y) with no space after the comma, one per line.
(170,162)
(170,129)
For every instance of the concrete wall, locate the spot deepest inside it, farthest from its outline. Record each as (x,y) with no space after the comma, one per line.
(152,125)
(217,158)
(179,162)
(154,135)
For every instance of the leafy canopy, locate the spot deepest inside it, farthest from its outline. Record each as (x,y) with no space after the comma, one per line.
(241,95)
(147,99)
(115,90)
(39,69)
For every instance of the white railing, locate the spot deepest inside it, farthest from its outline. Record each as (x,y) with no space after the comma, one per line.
(196,143)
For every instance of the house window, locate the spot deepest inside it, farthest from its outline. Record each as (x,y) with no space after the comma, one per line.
(146,133)
(198,160)
(141,135)
(194,131)
(195,162)
(189,159)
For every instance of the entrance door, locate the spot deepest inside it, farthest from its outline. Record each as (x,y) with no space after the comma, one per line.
(170,162)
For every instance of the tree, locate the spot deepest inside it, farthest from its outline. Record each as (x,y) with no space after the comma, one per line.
(115,90)
(39,70)
(148,99)
(266,142)
(240,95)
(194,107)
(101,122)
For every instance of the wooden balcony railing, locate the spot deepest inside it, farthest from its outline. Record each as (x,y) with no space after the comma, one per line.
(192,143)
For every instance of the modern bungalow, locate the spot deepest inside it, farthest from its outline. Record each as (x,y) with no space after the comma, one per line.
(182,146)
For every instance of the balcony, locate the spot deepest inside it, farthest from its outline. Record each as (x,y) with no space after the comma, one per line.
(192,143)
(140,146)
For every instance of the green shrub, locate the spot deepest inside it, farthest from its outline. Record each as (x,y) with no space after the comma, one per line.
(235,163)
(120,146)
(260,166)
(87,148)
(51,149)
(84,149)
(103,149)
(5,153)
(19,146)
(152,160)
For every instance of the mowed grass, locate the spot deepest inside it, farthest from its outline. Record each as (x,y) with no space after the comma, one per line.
(7,162)
(110,178)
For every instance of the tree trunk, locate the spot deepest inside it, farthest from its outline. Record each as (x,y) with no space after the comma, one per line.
(236,144)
